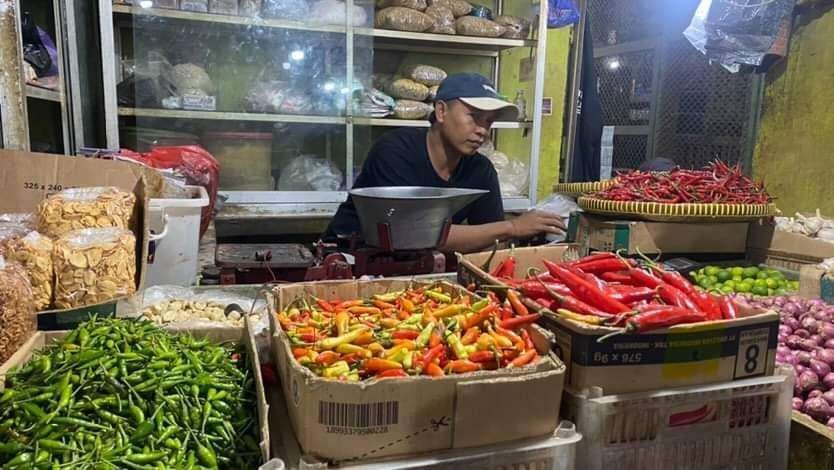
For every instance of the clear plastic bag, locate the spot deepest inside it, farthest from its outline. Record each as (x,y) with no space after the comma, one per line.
(444,20)
(93,266)
(194,5)
(408,109)
(334,12)
(10,233)
(475,26)
(560,205)
(458,7)
(17,312)
(265,96)
(191,79)
(413,4)
(433,92)
(517,27)
(403,19)
(561,13)
(407,89)
(425,74)
(310,173)
(34,253)
(24,219)
(79,208)
(180,307)
(297,10)
(250,8)
(223,7)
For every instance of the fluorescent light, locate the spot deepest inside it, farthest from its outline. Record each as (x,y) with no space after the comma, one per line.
(297,55)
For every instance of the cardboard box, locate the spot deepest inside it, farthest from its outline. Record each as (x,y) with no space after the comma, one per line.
(679,356)
(42,339)
(600,234)
(814,283)
(29,177)
(784,249)
(355,421)
(811,443)
(469,266)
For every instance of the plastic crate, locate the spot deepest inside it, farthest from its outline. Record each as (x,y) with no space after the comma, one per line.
(556,452)
(736,425)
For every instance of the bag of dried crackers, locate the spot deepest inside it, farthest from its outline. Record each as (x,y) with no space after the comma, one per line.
(94,266)
(17,311)
(34,253)
(80,208)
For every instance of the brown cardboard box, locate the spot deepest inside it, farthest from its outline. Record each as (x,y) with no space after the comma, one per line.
(600,234)
(29,177)
(679,356)
(469,266)
(42,339)
(784,249)
(350,421)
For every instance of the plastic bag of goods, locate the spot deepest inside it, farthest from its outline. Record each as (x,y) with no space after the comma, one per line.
(310,173)
(24,219)
(185,308)
(407,89)
(250,8)
(191,79)
(475,26)
(403,19)
(297,10)
(409,109)
(444,20)
(433,93)
(223,7)
(79,208)
(413,4)
(194,5)
(334,12)
(561,13)
(34,253)
(516,27)
(9,235)
(425,74)
(458,7)
(560,205)
(93,266)
(17,311)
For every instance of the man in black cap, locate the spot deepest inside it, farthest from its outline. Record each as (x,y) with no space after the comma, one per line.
(446,155)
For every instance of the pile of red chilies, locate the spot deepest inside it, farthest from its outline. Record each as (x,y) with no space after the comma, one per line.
(605,289)
(717,183)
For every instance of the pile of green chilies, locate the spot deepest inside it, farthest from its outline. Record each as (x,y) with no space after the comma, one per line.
(125,394)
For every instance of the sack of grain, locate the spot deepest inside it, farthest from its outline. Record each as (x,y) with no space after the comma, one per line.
(458,7)
(407,89)
(408,109)
(403,19)
(444,20)
(433,93)
(474,26)
(517,27)
(425,74)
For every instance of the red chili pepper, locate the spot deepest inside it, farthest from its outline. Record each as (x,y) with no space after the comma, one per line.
(434,339)
(326,358)
(325,305)
(481,316)
(728,310)
(462,366)
(517,322)
(674,278)
(535,290)
(431,354)
(528,340)
(585,291)
(505,269)
(470,336)
(509,334)
(632,295)
(603,265)
(506,313)
(524,359)
(392,373)
(621,277)
(662,318)
(515,302)
(707,304)
(434,370)
(643,278)
(405,334)
(482,356)
(673,296)
(593,257)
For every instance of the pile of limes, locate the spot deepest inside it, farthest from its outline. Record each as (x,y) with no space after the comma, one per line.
(752,280)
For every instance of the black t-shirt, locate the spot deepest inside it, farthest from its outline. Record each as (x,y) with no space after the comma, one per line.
(401,158)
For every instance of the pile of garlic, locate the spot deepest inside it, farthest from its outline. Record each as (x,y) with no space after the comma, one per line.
(814,226)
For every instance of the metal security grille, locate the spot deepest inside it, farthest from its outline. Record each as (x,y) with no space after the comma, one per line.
(663,97)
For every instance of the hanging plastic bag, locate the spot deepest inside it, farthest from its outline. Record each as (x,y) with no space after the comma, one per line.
(560,205)
(561,13)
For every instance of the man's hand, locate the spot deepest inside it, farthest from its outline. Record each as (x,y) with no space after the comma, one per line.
(533,223)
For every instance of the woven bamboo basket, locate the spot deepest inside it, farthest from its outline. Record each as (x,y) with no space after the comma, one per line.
(688,212)
(578,189)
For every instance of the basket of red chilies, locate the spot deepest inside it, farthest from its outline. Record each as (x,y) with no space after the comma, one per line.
(605,289)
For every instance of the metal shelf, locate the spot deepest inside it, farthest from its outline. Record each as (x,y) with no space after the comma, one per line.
(473,42)
(383,122)
(226,19)
(43,94)
(226,116)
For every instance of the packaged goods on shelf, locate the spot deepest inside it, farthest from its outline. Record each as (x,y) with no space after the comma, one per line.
(181,307)
(475,26)
(191,79)
(17,309)
(433,93)
(409,109)
(407,89)
(80,208)
(413,4)
(120,400)
(512,174)
(10,234)
(34,253)
(425,74)
(374,103)
(225,7)
(458,7)
(250,8)
(444,20)
(334,11)
(93,266)
(200,6)
(516,27)
(310,173)
(403,19)
(24,219)
(296,10)
(172,4)
(742,424)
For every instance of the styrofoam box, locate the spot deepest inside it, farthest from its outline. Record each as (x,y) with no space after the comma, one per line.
(743,424)
(556,452)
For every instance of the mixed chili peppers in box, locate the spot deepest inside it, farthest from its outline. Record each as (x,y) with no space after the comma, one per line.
(717,183)
(418,331)
(605,289)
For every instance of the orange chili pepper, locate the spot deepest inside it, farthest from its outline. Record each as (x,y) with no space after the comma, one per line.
(348,304)
(506,314)
(325,305)
(430,355)
(462,366)
(403,315)
(480,316)
(471,336)
(406,343)
(405,334)
(407,305)
(365,338)
(509,334)
(482,356)
(524,359)
(389,323)
(528,341)
(515,301)
(382,305)
(375,348)
(434,339)
(375,365)
(299,352)
(326,358)
(392,373)
(367,310)
(433,370)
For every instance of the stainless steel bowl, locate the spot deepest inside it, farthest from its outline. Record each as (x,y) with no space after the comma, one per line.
(409,217)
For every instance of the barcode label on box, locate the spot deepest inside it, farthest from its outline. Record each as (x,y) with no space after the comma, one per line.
(358,418)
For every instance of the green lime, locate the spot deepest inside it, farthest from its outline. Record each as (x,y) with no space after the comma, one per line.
(712,279)
(762,283)
(794,286)
(780,291)
(712,270)
(771,283)
(723,275)
(730,284)
(737,271)
(774,274)
(760,290)
(704,282)
(752,271)
(726,290)
(738,278)
(761,275)
(693,274)
(771,291)
(743,287)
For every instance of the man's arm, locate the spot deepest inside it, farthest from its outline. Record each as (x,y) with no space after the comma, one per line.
(470,238)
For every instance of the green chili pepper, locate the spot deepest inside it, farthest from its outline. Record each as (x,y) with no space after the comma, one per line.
(148,457)
(206,456)
(20,459)
(136,413)
(55,446)
(79,422)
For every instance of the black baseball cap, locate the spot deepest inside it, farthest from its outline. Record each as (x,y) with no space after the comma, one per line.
(478,92)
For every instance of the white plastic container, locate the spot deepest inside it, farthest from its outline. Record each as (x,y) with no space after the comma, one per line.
(175,224)
(556,452)
(736,425)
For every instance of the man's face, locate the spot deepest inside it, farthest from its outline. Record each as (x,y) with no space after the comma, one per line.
(465,128)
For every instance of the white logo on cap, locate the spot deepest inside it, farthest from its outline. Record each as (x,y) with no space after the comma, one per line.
(490,89)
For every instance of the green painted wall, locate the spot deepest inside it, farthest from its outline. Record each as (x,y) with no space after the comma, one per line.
(796,134)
